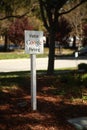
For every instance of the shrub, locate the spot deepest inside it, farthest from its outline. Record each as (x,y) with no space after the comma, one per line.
(16,30)
(82,66)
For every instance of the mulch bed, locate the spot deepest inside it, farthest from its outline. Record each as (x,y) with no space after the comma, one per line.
(52,112)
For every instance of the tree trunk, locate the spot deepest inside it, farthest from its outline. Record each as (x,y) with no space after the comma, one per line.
(6,42)
(50,70)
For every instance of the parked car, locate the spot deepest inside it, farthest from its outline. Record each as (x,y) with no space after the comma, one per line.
(82,51)
(10,47)
(1,47)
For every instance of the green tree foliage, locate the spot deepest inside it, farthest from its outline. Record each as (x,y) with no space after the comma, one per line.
(15,8)
(11,9)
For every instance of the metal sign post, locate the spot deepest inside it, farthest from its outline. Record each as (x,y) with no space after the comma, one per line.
(33,82)
(33,46)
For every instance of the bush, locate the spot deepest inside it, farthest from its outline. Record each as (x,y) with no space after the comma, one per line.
(82,66)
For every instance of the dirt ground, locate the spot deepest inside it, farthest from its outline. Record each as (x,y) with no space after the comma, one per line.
(52,112)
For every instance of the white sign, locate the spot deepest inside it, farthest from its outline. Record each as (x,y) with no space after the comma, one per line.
(33,42)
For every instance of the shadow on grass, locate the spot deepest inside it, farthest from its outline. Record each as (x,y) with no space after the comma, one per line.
(61,82)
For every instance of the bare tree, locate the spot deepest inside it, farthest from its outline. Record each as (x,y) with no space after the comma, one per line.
(76,18)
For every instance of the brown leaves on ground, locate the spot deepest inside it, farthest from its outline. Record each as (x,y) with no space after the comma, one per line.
(52,113)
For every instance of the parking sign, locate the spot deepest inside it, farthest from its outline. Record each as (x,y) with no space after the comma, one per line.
(33,42)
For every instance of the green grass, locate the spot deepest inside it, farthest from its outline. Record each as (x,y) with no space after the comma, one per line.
(14,74)
(73,85)
(20,54)
(13,55)
(13,79)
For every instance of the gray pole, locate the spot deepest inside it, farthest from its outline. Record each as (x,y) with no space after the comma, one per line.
(33,82)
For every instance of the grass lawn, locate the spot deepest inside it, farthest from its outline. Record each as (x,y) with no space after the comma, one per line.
(59,97)
(20,54)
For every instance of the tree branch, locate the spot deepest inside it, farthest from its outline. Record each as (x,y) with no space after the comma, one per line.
(14,16)
(42,13)
(65,12)
(19,16)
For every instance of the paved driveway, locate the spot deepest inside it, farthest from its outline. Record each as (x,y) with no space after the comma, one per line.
(41,64)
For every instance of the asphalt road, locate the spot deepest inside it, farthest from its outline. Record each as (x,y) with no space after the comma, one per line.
(41,64)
